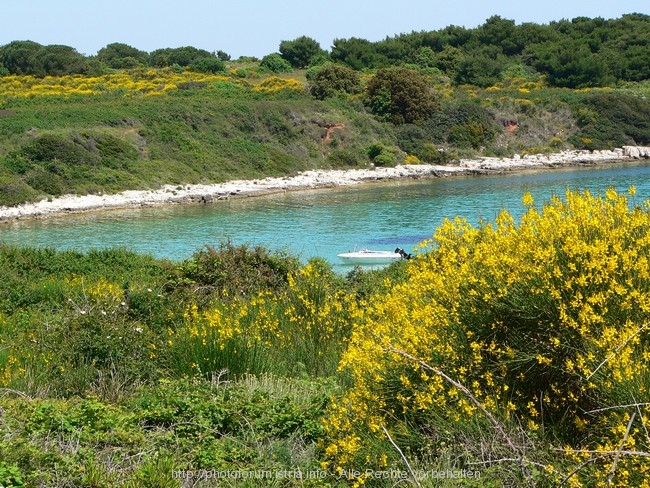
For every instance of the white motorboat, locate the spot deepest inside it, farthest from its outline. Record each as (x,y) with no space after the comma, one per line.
(369,257)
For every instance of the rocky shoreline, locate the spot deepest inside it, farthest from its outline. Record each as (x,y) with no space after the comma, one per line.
(312,179)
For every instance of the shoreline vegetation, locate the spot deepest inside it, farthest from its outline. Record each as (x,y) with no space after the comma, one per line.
(170,194)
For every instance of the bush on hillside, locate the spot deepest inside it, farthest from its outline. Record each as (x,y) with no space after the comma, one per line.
(401,96)
(609,120)
(209,64)
(301,51)
(275,63)
(380,154)
(464,125)
(333,79)
(59,147)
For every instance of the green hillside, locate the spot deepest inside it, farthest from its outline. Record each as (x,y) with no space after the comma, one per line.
(126,119)
(217,131)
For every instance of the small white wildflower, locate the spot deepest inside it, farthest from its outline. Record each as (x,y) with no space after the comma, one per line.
(138,329)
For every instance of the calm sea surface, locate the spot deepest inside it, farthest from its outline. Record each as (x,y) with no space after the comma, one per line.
(321,222)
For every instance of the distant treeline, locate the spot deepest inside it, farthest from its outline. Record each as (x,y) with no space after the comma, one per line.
(571,53)
(577,53)
(32,58)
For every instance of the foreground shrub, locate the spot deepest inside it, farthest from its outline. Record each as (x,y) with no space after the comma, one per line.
(231,270)
(544,322)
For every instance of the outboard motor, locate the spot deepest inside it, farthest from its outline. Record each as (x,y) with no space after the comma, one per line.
(403,253)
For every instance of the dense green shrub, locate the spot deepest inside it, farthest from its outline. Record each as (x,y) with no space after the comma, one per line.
(113,151)
(569,63)
(15,191)
(400,96)
(58,60)
(609,120)
(416,140)
(301,51)
(59,147)
(45,180)
(381,155)
(341,158)
(224,423)
(464,125)
(333,79)
(209,64)
(118,56)
(181,56)
(10,475)
(275,63)
(31,58)
(411,138)
(356,53)
(482,68)
(230,270)
(16,56)
(54,163)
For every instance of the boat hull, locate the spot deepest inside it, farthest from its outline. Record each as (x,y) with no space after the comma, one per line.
(369,258)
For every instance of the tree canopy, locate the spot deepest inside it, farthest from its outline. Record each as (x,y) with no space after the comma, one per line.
(118,55)
(301,51)
(576,53)
(182,56)
(401,96)
(332,79)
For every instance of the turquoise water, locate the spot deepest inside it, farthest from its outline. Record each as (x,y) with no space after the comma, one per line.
(321,222)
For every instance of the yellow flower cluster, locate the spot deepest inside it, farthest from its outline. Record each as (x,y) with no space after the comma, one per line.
(275,83)
(545,322)
(305,323)
(138,82)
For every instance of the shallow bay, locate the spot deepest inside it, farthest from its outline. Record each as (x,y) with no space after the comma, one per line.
(322,222)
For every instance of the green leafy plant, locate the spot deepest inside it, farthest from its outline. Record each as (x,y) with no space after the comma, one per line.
(10,476)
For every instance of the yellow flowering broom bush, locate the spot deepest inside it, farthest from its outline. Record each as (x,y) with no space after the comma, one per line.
(299,329)
(544,321)
(134,82)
